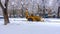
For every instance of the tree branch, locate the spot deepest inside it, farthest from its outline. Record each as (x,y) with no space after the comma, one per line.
(1,5)
(6,3)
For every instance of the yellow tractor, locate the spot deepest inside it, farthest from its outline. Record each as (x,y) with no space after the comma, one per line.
(32,17)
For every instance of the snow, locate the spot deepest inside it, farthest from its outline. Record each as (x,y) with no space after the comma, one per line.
(22,26)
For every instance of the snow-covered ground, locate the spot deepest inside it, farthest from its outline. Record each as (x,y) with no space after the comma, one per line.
(22,26)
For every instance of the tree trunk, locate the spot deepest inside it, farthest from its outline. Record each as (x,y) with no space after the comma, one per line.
(5,14)
(4,9)
(58,12)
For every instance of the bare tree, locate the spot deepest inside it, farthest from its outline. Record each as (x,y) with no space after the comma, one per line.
(4,9)
(58,14)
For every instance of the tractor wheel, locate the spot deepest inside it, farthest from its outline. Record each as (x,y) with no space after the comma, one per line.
(30,19)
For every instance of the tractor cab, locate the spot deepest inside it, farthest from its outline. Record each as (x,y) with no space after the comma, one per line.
(32,17)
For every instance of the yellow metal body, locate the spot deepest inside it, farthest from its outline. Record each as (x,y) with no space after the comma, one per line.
(32,17)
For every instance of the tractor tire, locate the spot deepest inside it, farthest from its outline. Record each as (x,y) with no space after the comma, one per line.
(30,19)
